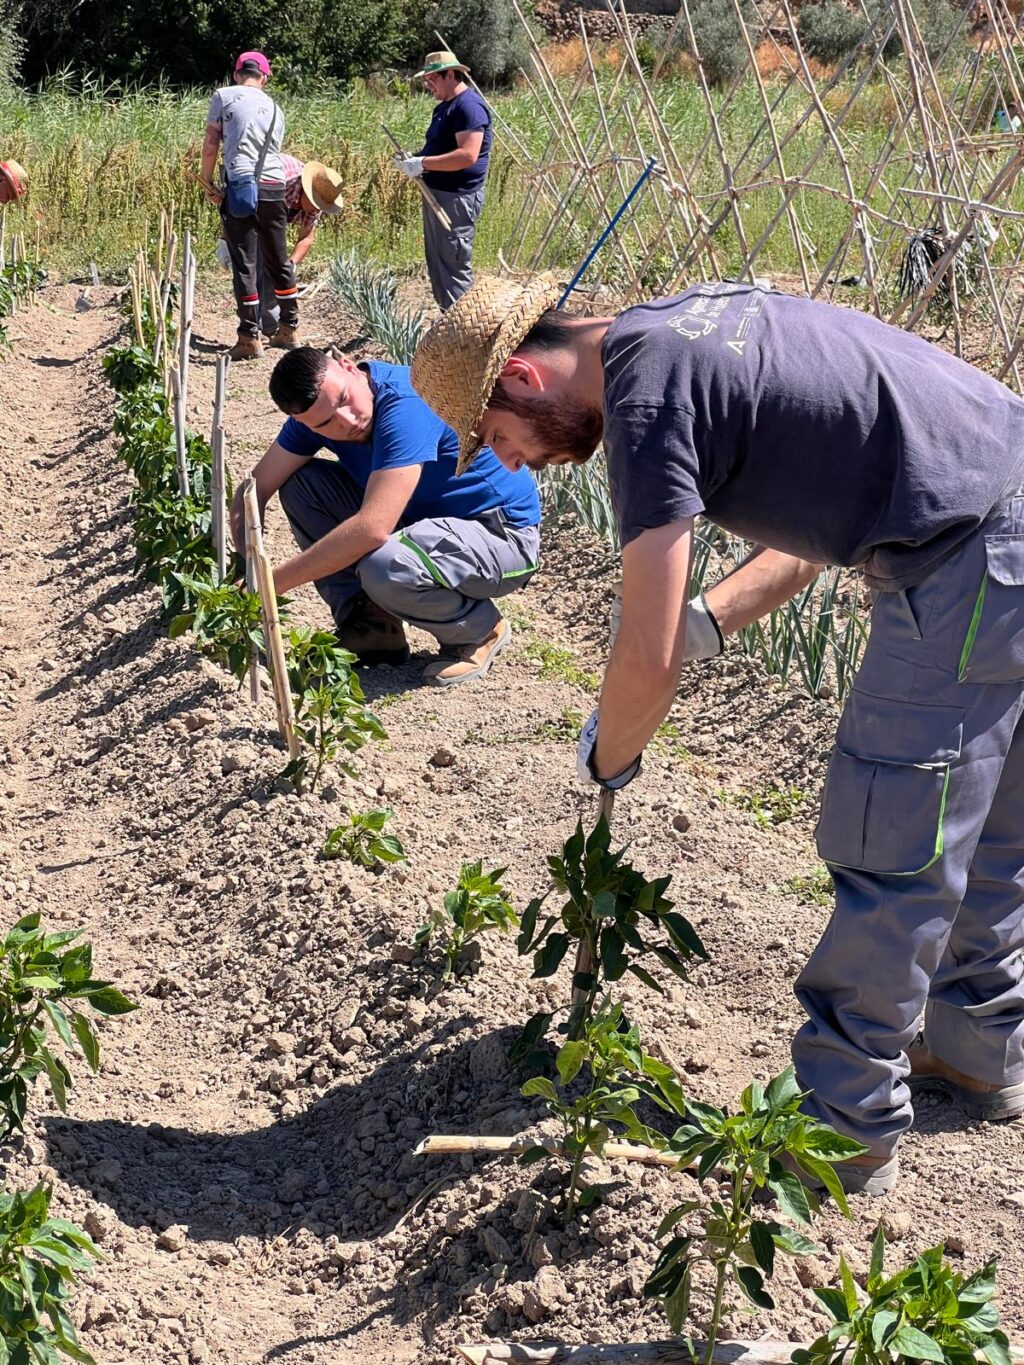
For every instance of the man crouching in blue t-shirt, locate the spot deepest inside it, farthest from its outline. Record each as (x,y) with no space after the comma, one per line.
(388,533)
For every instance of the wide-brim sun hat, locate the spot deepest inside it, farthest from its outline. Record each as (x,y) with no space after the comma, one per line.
(458,362)
(322,187)
(15,175)
(436,62)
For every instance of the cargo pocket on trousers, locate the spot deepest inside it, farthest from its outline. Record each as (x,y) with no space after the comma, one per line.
(888,778)
(993,651)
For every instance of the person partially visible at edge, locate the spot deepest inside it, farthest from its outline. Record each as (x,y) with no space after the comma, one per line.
(13,182)
(1008,120)
(826,437)
(387,533)
(453,164)
(311,189)
(248,124)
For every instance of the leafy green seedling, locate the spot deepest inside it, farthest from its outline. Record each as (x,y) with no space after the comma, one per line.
(813,889)
(225,620)
(619,1073)
(129,367)
(929,1311)
(40,1259)
(478,904)
(330,717)
(750,1149)
(609,904)
(770,806)
(40,974)
(361,840)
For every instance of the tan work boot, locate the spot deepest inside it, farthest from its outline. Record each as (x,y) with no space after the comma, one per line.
(374,636)
(463,663)
(285,338)
(980,1099)
(874,1176)
(246,348)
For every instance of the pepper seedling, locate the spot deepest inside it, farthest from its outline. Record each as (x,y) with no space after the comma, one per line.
(361,840)
(478,904)
(330,715)
(40,1260)
(40,974)
(749,1149)
(928,1311)
(226,621)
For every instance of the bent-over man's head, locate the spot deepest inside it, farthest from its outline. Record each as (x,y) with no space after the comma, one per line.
(330,395)
(505,368)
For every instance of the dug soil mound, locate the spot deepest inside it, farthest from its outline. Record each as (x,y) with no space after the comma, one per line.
(245,1158)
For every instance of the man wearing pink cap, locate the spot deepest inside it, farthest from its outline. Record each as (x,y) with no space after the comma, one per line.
(246,122)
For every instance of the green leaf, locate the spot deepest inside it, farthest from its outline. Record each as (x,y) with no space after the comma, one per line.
(570,1058)
(849,1286)
(540,1085)
(548,959)
(59,1020)
(792,1197)
(824,1142)
(917,1345)
(58,1076)
(783,1089)
(833,1301)
(86,1040)
(762,1243)
(752,1284)
(996,1349)
(824,1174)
(110,1001)
(877,1268)
(710,1119)
(881,1325)
(792,1242)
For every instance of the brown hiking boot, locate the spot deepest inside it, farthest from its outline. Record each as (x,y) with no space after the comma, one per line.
(980,1099)
(463,663)
(246,348)
(374,636)
(285,338)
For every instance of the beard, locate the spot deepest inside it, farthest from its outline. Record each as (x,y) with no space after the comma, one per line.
(564,428)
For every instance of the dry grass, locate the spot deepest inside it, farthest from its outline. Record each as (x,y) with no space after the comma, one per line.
(569,57)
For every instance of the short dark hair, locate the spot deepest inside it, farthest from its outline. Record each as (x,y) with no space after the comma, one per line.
(549,333)
(297,379)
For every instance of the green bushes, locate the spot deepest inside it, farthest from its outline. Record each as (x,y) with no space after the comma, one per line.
(828,30)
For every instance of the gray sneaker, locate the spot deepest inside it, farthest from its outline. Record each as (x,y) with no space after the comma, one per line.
(979,1099)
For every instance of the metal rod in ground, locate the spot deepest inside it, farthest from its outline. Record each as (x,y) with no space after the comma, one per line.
(271,621)
(428,197)
(178,409)
(584,958)
(644,177)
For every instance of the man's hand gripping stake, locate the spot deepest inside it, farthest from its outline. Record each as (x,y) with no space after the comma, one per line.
(428,198)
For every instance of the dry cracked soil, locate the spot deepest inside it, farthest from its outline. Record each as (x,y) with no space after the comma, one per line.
(245,1156)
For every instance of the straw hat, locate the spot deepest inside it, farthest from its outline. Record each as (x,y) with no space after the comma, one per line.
(15,176)
(458,362)
(435,62)
(322,187)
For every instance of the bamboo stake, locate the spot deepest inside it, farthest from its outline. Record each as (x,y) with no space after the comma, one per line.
(135,285)
(178,409)
(426,194)
(271,621)
(3,238)
(639,1353)
(445,1144)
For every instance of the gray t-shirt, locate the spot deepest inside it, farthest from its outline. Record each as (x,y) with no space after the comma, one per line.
(243,114)
(804,426)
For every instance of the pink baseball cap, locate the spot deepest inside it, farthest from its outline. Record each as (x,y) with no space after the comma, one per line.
(253,61)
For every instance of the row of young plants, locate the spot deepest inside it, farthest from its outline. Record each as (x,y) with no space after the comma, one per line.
(758,1168)
(47,991)
(20,281)
(172,535)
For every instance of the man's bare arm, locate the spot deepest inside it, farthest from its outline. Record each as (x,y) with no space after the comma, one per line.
(276,468)
(764,580)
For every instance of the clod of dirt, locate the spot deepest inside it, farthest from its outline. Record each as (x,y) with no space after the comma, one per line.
(172,1238)
(442,758)
(543,1295)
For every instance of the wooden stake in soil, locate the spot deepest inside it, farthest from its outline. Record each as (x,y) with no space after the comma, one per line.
(178,408)
(188,278)
(639,1353)
(218,487)
(447,1144)
(271,621)
(428,198)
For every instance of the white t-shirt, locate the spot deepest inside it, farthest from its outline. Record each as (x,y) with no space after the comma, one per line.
(243,114)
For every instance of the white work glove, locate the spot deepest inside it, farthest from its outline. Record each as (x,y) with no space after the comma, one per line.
(412,166)
(585,759)
(704,639)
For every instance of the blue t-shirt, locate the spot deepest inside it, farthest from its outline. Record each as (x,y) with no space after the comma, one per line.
(466,113)
(405,432)
(803,426)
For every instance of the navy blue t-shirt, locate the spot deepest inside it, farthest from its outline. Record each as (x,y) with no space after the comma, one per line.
(466,113)
(803,426)
(406,432)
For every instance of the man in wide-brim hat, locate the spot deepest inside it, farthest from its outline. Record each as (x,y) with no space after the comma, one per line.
(13,182)
(824,436)
(453,164)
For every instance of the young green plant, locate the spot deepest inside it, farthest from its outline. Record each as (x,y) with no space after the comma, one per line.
(928,1311)
(613,909)
(42,980)
(618,1074)
(749,1149)
(361,840)
(225,620)
(40,1259)
(478,905)
(330,716)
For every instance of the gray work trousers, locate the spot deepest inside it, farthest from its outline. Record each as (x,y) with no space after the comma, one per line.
(439,574)
(922,828)
(450,254)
